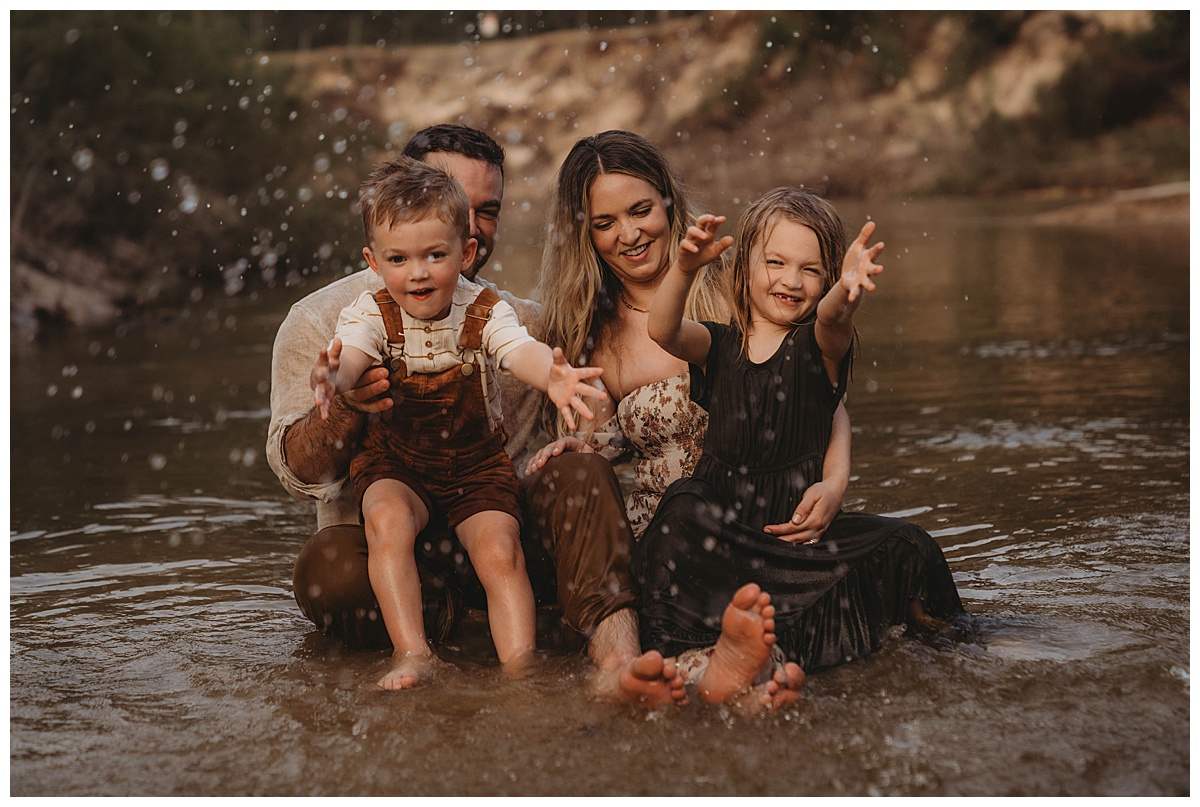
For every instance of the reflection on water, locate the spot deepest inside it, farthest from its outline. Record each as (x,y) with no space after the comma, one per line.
(1020,393)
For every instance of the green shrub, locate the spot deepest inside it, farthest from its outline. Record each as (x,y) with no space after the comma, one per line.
(160,130)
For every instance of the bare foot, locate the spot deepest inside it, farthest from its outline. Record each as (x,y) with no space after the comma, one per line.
(408,670)
(747,634)
(936,631)
(782,690)
(647,681)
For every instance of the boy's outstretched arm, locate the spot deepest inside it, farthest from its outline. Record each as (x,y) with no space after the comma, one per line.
(835,313)
(337,374)
(681,337)
(308,454)
(548,371)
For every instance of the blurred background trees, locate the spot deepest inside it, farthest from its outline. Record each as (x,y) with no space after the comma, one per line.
(155,154)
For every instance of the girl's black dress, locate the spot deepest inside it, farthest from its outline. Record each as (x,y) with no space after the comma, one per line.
(769,427)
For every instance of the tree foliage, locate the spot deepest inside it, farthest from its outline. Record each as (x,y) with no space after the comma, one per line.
(155,129)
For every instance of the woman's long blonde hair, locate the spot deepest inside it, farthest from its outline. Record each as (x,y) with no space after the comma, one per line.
(577,288)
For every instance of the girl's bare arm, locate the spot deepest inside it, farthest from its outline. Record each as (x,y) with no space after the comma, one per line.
(835,313)
(679,336)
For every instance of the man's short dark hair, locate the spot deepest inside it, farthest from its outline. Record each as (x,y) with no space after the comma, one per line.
(455,138)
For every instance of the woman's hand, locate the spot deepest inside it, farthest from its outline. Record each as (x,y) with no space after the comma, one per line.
(553,450)
(820,503)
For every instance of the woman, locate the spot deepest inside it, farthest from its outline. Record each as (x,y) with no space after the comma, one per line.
(618,217)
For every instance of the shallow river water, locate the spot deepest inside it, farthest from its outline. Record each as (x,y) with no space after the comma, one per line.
(1022,392)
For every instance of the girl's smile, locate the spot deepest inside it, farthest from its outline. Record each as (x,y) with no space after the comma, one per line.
(787,279)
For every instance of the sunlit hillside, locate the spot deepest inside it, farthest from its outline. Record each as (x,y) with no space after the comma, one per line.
(151,152)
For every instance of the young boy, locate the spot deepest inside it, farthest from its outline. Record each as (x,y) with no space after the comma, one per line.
(438,451)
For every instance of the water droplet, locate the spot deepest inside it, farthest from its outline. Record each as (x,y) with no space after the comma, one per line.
(83,159)
(159,169)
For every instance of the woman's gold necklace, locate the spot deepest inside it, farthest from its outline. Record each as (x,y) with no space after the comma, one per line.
(629,305)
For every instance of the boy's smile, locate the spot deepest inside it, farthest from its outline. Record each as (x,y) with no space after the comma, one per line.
(420,262)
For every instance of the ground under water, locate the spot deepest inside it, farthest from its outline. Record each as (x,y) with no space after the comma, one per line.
(1021,392)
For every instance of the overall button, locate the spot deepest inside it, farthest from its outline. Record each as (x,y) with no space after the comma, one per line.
(467,369)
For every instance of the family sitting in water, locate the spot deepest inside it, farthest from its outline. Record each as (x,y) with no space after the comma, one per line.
(717,364)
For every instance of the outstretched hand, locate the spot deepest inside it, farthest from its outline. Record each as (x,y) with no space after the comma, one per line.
(323,375)
(369,394)
(568,384)
(700,246)
(858,267)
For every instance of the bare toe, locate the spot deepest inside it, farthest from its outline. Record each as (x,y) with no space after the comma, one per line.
(651,682)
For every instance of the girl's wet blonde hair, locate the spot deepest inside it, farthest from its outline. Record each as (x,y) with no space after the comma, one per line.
(578,291)
(754,228)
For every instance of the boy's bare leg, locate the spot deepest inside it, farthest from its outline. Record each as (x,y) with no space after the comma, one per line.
(393,515)
(743,650)
(493,541)
(644,679)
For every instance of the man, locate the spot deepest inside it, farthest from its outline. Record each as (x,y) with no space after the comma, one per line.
(576,539)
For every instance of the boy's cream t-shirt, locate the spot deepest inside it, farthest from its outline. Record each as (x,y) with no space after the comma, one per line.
(432,346)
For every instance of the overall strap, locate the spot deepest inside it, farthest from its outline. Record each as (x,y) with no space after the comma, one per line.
(393,323)
(478,313)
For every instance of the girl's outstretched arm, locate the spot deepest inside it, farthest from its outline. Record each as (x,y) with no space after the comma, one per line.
(683,338)
(835,312)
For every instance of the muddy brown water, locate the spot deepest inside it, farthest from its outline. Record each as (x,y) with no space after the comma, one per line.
(1022,392)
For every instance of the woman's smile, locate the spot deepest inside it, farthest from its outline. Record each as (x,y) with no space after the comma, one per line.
(628,226)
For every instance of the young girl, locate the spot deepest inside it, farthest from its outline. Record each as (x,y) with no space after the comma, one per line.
(771,381)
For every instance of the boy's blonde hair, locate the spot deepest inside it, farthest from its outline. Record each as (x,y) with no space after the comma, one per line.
(755,226)
(405,190)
